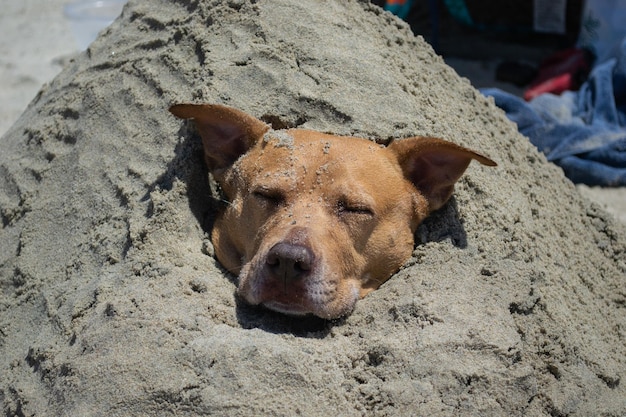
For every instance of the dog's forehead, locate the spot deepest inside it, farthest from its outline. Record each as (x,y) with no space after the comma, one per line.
(307,148)
(302,160)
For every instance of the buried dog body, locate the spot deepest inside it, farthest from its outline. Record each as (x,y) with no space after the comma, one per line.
(316,221)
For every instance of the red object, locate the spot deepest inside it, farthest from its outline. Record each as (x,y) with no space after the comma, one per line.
(564,70)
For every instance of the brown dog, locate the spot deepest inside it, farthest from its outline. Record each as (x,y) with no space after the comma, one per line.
(316,221)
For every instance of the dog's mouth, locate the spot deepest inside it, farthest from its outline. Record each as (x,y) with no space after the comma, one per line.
(293,299)
(304,299)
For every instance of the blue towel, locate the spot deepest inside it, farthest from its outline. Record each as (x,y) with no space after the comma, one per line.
(582,131)
(400,8)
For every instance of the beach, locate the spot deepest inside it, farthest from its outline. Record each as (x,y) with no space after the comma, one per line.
(112,302)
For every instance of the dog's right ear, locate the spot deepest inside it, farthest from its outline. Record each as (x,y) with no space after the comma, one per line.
(227,133)
(434,166)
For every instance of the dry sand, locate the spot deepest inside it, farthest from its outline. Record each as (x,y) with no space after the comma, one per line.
(111,303)
(35,42)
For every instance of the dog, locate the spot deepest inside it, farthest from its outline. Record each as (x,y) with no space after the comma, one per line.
(315,221)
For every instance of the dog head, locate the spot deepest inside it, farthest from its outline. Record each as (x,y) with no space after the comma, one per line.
(316,221)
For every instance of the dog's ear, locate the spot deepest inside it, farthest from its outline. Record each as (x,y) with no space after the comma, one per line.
(434,166)
(227,133)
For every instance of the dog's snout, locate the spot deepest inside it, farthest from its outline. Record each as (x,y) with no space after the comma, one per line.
(289,262)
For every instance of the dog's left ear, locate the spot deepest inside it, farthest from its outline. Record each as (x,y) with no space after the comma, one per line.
(227,133)
(434,166)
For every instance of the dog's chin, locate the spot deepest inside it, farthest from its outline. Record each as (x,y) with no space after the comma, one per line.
(328,312)
(296,311)
(289,309)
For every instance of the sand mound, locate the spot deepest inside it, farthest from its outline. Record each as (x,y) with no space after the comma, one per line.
(111,303)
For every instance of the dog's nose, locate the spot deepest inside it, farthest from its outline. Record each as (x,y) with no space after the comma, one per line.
(289,262)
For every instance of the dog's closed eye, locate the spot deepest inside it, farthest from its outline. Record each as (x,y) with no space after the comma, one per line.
(347,207)
(269,196)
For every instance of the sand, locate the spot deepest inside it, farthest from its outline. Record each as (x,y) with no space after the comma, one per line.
(112,304)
